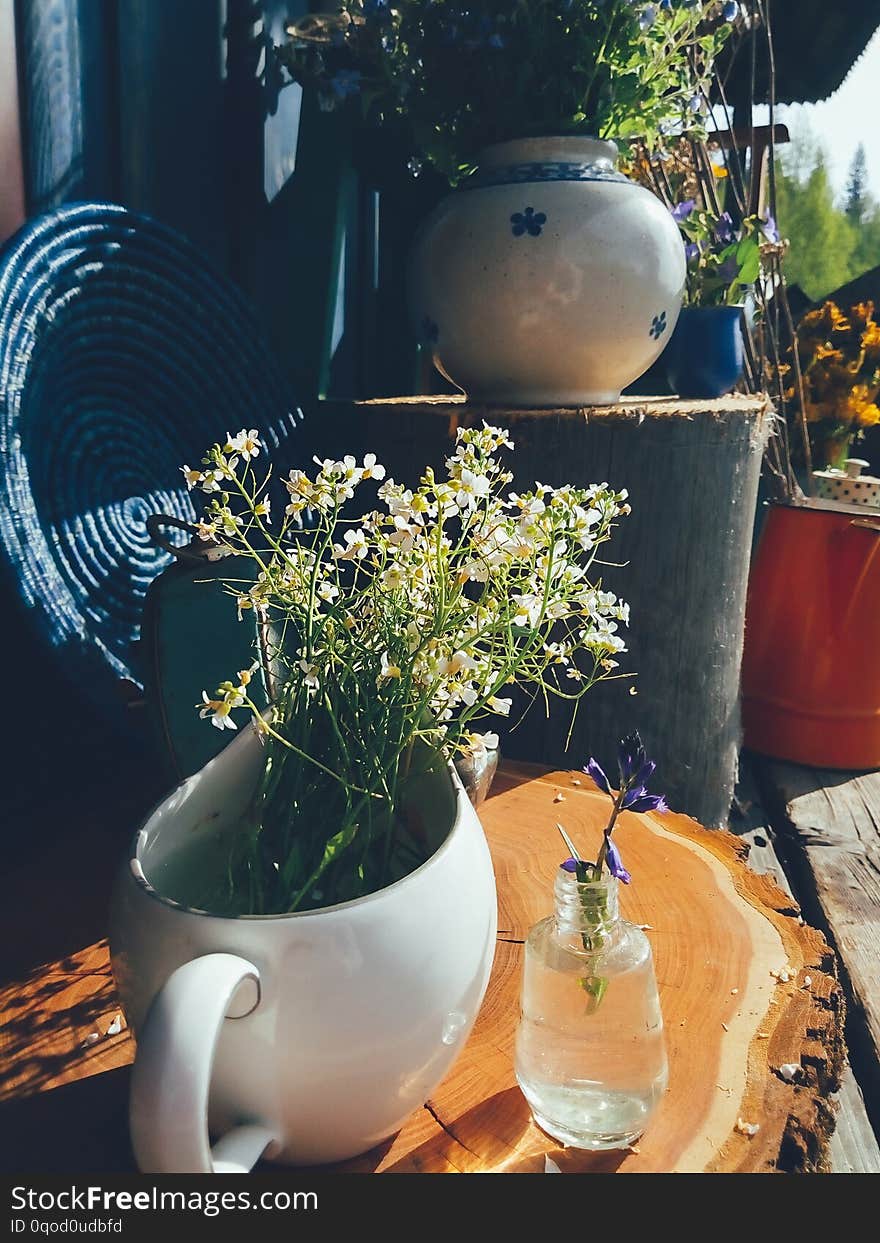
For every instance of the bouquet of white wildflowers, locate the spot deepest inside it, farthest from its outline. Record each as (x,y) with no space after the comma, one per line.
(391,637)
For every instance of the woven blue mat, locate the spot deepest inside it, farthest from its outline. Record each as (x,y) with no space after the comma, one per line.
(122,355)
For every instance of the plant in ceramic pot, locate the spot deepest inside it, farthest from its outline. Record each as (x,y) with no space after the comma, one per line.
(839,358)
(325,874)
(548,278)
(705,354)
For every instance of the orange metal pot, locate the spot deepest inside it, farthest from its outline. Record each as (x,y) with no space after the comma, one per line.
(811,662)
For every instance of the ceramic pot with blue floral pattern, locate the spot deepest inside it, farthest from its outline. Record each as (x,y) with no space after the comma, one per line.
(547,278)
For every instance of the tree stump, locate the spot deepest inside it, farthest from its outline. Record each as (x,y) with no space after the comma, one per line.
(680,560)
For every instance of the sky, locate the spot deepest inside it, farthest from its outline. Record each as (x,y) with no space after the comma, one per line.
(850,116)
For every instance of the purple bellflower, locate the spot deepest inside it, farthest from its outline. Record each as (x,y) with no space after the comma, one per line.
(635,771)
(682,210)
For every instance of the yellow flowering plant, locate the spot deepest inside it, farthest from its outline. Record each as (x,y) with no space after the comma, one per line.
(840,363)
(391,637)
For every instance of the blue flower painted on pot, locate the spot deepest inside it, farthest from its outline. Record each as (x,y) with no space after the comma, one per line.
(528,221)
(429,332)
(658,326)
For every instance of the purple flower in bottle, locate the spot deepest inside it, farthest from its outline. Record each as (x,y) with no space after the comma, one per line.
(595,770)
(615,863)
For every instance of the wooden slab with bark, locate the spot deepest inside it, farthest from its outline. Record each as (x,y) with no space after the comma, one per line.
(721,936)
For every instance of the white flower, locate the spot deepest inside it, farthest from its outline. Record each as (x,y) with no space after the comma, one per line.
(388,670)
(349,474)
(470,488)
(229,521)
(192,477)
(247,443)
(328,591)
(458,662)
(210,481)
(483,742)
(475,572)
(397,498)
(348,466)
(219,709)
(310,674)
(501,706)
(528,609)
(403,535)
(226,466)
(355,546)
(526,504)
(413,636)
(558,652)
(299,484)
(263,508)
(419,507)
(207,531)
(372,469)
(249,601)
(500,437)
(394,577)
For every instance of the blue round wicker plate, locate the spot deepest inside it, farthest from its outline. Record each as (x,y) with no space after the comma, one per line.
(122,356)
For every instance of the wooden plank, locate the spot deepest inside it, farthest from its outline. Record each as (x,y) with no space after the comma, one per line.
(853,1148)
(830,827)
(717,931)
(680,560)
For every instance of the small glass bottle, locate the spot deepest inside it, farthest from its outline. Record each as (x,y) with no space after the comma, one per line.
(590,1054)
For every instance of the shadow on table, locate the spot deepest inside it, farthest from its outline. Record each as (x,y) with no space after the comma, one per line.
(82,1128)
(56,1020)
(79,1128)
(497,1136)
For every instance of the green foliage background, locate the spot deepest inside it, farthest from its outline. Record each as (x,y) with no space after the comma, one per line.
(831,241)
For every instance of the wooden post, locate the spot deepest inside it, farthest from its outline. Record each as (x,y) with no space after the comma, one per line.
(680,560)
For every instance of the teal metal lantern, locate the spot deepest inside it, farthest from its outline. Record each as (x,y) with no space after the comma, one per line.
(191,641)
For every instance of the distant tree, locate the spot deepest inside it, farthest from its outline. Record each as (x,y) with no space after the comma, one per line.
(857,202)
(829,244)
(866,255)
(822,240)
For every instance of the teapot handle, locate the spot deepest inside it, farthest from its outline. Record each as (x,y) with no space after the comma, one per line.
(171,1081)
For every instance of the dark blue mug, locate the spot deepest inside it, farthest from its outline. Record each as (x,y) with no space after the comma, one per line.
(705,355)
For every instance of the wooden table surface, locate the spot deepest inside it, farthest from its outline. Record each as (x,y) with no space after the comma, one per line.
(722,937)
(827,827)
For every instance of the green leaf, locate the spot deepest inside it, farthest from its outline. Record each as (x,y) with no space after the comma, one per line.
(750,264)
(337,844)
